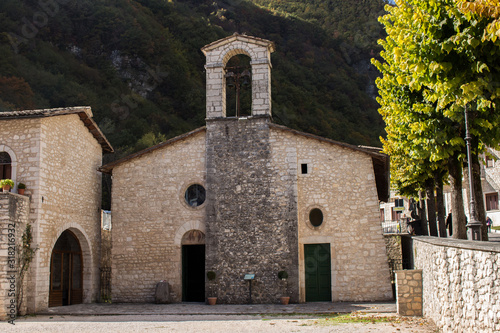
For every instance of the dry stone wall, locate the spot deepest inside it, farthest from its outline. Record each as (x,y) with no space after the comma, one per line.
(461,283)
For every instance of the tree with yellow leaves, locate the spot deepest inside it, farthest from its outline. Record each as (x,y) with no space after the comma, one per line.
(485,9)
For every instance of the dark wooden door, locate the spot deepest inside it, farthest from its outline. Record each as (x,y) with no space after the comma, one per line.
(66,271)
(318,272)
(193,273)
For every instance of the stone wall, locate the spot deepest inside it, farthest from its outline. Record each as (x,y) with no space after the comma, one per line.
(341,183)
(461,289)
(69,197)
(251,212)
(409,292)
(150,216)
(14,216)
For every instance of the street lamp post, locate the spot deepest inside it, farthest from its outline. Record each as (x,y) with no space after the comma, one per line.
(474,226)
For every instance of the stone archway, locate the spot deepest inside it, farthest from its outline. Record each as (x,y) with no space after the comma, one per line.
(89,274)
(66,271)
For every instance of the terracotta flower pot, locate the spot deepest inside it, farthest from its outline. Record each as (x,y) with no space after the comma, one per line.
(6,188)
(20,191)
(212,300)
(285,300)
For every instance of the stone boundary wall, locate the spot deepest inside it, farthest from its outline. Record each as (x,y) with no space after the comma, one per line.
(14,215)
(409,292)
(461,283)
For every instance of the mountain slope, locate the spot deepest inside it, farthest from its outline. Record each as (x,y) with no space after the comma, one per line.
(138,64)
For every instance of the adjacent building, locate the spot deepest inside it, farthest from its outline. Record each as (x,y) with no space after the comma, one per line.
(56,153)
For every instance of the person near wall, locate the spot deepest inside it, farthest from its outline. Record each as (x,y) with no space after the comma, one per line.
(449,222)
(489,222)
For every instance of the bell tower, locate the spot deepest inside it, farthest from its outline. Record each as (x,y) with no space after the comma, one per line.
(251,223)
(218,54)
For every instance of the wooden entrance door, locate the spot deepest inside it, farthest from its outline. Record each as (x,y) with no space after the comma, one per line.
(66,271)
(318,272)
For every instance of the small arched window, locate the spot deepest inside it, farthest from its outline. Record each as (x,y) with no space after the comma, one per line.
(5,166)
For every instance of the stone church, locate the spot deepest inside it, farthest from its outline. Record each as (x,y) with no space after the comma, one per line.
(244,199)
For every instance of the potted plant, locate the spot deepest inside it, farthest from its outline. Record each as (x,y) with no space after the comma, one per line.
(20,188)
(283,276)
(6,184)
(211,277)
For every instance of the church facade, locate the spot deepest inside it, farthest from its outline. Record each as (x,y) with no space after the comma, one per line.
(227,208)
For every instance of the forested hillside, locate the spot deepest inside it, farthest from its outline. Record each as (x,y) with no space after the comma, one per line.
(138,63)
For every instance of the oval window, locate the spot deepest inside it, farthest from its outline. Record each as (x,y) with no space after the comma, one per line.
(316,217)
(195,195)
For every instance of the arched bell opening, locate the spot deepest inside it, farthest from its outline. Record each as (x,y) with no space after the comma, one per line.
(193,266)
(66,271)
(238,75)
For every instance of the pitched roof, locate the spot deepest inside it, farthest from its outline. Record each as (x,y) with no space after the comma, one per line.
(108,168)
(84,112)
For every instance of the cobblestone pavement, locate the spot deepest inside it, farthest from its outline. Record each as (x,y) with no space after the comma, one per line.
(198,317)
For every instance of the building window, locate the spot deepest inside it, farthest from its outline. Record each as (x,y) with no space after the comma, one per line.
(195,195)
(396,214)
(491,201)
(399,204)
(316,217)
(5,166)
(303,168)
(382,214)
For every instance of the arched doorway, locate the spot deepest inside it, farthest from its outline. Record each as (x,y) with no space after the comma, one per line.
(193,266)
(66,271)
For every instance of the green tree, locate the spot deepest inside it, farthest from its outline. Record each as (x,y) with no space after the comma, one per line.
(435,65)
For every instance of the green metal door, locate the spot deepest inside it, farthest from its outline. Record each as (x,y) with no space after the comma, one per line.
(318,272)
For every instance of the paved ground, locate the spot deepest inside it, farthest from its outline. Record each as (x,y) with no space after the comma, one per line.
(198,317)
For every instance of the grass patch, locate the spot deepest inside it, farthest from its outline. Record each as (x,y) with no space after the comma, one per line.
(496,228)
(355,318)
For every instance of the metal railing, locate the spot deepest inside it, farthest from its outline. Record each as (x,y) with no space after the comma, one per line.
(394,227)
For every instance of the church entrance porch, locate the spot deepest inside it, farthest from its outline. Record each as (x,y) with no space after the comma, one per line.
(318,272)
(66,271)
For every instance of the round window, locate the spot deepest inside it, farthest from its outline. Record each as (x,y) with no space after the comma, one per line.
(316,217)
(195,195)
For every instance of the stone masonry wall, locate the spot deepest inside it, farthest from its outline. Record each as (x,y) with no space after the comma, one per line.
(14,215)
(341,183)
(461,283)
(251,213)
(150,216)
(409,292)
(69,197)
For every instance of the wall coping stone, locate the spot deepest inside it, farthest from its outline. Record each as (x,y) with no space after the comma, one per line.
(459,243)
